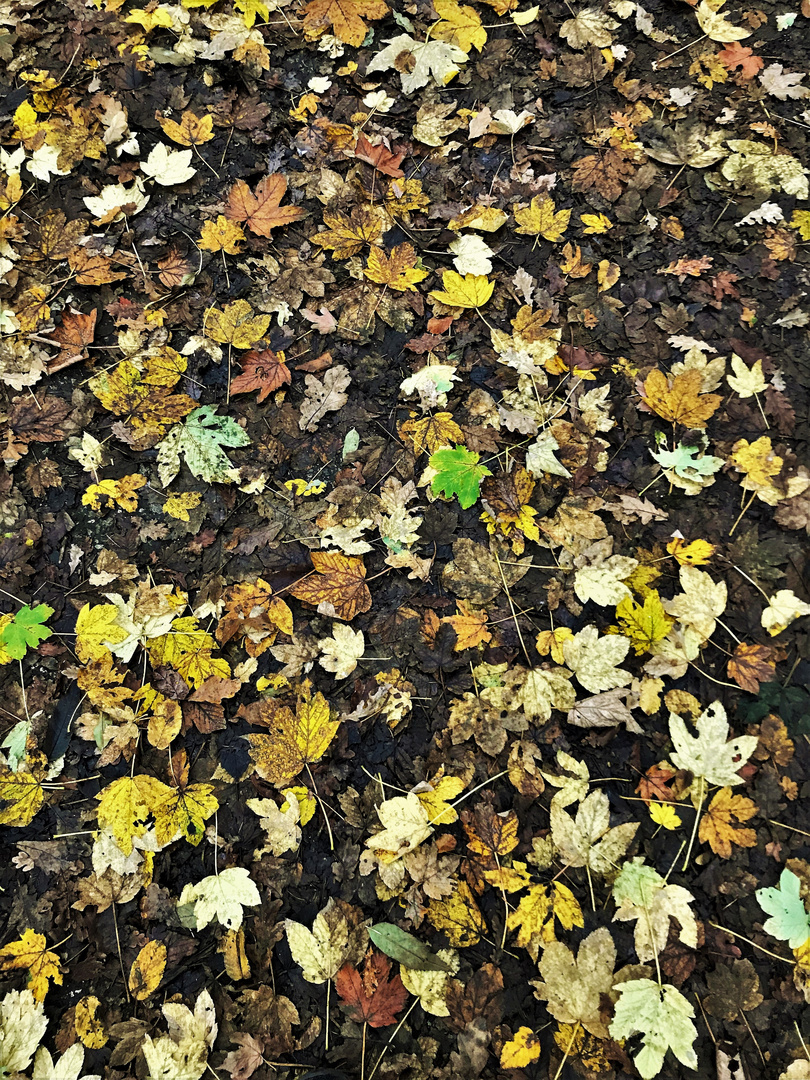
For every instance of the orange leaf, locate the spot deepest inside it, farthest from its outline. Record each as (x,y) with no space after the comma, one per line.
(380,157)
(735,55)
(372,998)
(345,17)
(653,784)
(690,267)
(77,331)
(751,665)
(261,212)
(680,400)
(470,627)
(263,371)
(338,586)
(719,826)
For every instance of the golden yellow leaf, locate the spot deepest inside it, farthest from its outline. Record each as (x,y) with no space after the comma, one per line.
(191,131)
(236,325)
(31,952)
(147,970)
(126,803)
(595,224)
(295,740)
(664,814)
(541,218)
(696,553)
(458,916)
(398,270)
(461,25)
(534,916)
(719,826)
(178,506)
(521,1050)
(234,957)
(644,624)
(345,17)
(164,724)
(221,235)
(122,492)
(551,641)
(22,791)
(470,291)
(183,811)
(679,399)
(436,801)
(572,264)
(338,586)
(757,460)
(89,1027)
(470,627)
(346,234)
(432,433)
(607,274)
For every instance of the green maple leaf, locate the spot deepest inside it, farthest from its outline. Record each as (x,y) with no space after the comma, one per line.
(458,473)
(26,631)
(789,920)
(684,460)
(200,439)
(663,1016)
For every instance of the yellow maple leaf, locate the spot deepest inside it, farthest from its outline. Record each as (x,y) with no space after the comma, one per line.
(147,970)
(551,641)
(178,506)
(123,492)
(22,790)
(338,586)
(31,951)
(398,270)
(183,812)
(470,626)
(720,825)
(150,20)
(458,916)
(757,460)
(521,1050)
(191,131)
(460,25)
(679,399)
(235,325)
(801,221)
(432,433)
(297,739)
(664,814)
(96,630)
(126,803)
(187,649)
(89,1027)
(482,218)
(346,234)
(595,224)
(221,235)
(697,553)
(541,218)
(436,799)
(470,291)
(535,915)
(345,17)
(644,624)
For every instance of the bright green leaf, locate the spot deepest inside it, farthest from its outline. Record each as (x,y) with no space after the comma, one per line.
(25,631)
(458,473)
(789,920)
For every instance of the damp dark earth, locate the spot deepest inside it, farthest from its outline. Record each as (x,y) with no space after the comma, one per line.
(404,512)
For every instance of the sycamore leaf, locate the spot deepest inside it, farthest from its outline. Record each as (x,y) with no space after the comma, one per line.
(688,462)
(21,790)
(200,439)
(221,235)
(521,1050)
(595,659)
(472,255)
(341,651)
(719,825)
(783,608)
(665,815)
(25,631)
(431,986)
(589,840)
(535,914)
(696,553)
(373,998)
(323,397)
(679,399)
(221,897)
(191,131)
(644,624)
(235,325)
(398,270)
(345,17)
(147,969)
(589,27)
(458,917)
(470,291)
(642,894)
(31,952)
(663,1016)
(419,62)
(168,167)
(183,1053)
(541,218)
(572,987)
(458,473)
(716,26)
(701,602)
(337,587)
(380,157)
(261,212)
(121,492)
(540,456)
(183,811)
(67,1068)
(595,224)
(708,754)
(405,825)
(460,25)
(126,803)
(338,936)
(732,990)
(280,824)
(295,740)
(22,1025)
(746,381)
(788,920)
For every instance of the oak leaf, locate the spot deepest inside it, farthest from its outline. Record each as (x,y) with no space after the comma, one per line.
(261,211)
(338,586)
(31,952)
(345,17)
(373,998)
(680,400)
(719,826)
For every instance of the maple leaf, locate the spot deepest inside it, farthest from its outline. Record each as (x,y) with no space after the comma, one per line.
(470,291)
(379,156)
(323,397)
(716,26)
(663,1016)
(458,473)
(374,997)
(191,131)
(572,987)
(458,917)
(751,665)
(221,898)
(236,325)
(788,920)
(535,914)
(126,803)
(521,1050)
(680,400)
(405,825)
(607,173)
(338,936)
(346,234)
(784,607)
(338,586)
(200,440)
(460,25)
(589,840)
(740,56)
(644,624)
(183,811)
(121,492)
(345,17)
(341,651)
(221,235)
(540,218)
(419,62)
(708,754)
(264,371)
(31,952)
(295,740)
(22,791)
(642,894)
(261,212)
(696,553)
(22,1026)
(595,659)
(147,969)
(75,332)
(25,631)
(470,627)
(719,825)
(399,270)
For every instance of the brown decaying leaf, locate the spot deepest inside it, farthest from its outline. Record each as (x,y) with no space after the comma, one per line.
(751,665)
(379,156)
(337,587)
(74,334)
(263,371)
(373,998)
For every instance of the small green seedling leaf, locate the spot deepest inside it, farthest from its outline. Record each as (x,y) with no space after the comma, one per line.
(458,473)
(26,631)
(789,920)
(405,948)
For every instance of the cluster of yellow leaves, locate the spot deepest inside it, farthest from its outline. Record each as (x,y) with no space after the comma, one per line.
(121,493)
(31,952)
(126,805)
(142,394)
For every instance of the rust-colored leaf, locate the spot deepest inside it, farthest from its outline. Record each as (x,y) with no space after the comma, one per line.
(264,371)
(261,211)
